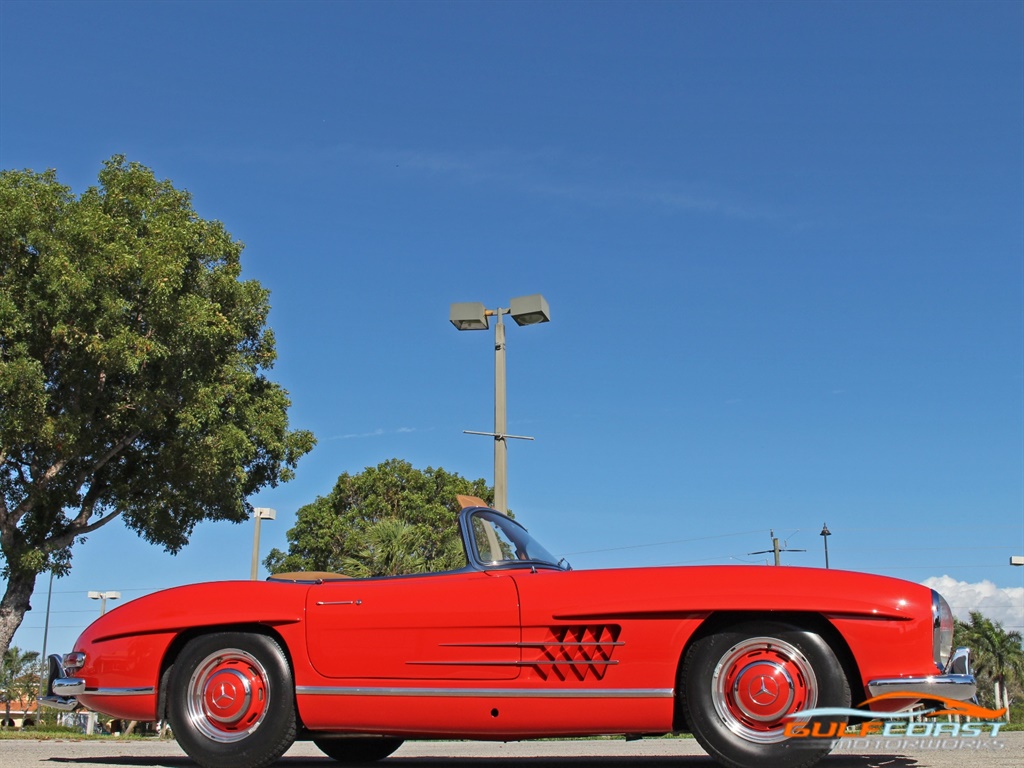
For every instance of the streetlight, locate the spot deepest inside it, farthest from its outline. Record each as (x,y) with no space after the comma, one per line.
(103,597)
(472,316)
(259,513)
(825,533)
(1017,560)
(46,632)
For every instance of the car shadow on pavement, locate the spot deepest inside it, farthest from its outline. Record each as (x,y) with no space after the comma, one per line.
(697,761)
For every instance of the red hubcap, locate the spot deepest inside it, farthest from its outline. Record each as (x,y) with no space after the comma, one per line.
(758,683)
(229,695)
(762,691)
(234,696)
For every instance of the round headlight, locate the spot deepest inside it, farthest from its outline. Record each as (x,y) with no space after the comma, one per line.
(942,630)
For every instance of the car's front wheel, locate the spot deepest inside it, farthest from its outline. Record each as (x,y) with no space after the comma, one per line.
(231,700)
(741,685)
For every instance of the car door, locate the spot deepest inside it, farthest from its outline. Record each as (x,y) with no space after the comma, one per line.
(452,626)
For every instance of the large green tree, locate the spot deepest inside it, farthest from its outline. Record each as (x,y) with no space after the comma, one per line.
(997,658)
(384,521)
(132,360)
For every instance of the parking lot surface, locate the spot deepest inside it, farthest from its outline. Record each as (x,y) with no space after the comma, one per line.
(1005,751)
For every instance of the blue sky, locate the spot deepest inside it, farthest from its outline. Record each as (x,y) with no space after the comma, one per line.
(782,243)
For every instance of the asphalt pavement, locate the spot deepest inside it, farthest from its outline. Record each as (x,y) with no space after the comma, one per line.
(1004,751)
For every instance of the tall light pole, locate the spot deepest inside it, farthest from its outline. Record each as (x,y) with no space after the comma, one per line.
(259,514)
(103,597)
(46,632)
(825,533)
(473,316)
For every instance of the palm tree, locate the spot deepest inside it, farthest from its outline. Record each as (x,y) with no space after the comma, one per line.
(998,655)
(19,677)
(390,547)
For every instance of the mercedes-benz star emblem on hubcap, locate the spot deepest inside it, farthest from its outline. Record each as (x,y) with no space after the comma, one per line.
(223,697)
(764,690)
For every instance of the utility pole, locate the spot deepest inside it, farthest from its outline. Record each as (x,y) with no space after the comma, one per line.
(43,678)
(776,550)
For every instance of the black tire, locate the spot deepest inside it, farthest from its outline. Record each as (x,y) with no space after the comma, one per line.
(358,749)
(739,684)
(231,700)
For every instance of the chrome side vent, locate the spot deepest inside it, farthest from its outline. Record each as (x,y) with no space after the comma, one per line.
(580,652)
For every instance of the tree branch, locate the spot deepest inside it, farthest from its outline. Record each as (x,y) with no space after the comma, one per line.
(88,505)
(29,502)
(76,530)
(105,458)
(26,506)
(98,523)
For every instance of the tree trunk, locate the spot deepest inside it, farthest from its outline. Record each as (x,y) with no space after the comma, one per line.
(14,604)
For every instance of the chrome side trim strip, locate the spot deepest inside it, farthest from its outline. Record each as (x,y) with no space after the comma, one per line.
(534,663)
(67,687)
(64,691)
(502,693)
(552,644)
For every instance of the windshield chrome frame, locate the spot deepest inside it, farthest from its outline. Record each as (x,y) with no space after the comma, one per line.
(473,557)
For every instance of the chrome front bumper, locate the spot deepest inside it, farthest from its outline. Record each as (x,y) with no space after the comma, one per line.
(955,683)
(61,690)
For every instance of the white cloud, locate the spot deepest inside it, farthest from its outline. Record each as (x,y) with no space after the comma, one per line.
(1002,604)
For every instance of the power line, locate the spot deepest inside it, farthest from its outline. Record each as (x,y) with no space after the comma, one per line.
(776,550)
(662,543)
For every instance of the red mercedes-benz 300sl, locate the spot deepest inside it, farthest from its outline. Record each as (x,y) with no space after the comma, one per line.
(515,645)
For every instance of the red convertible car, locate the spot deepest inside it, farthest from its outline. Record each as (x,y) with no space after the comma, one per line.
(515,645)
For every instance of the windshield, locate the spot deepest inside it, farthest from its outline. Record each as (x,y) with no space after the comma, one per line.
(499,540)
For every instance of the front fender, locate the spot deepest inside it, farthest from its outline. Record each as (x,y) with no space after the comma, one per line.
(123,653)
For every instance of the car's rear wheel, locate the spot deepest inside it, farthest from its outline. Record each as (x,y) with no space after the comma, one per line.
(358,749)
(741,685)
(231,700)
